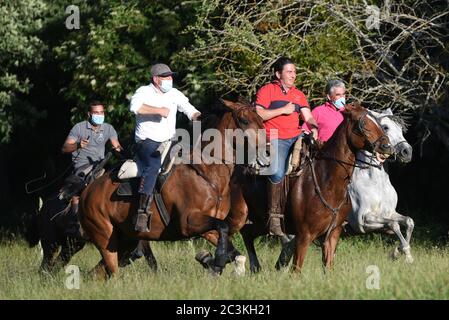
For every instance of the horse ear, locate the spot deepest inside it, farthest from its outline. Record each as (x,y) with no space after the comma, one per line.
(350,107)
(375,113)
(229,104)
(388,112)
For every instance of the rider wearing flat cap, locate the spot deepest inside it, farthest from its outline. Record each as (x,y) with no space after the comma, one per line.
(155,106)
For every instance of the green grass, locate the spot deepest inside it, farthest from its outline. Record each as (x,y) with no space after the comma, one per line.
(181,277)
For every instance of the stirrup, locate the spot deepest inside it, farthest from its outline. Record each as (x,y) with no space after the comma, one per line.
(275,224)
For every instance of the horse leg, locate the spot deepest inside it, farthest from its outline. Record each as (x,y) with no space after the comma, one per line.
(249,233)
(131,250)
(48,260)
(148,254)
(68,250)
(405,246)
(408,223)
(110,254)
(329,247)
(221,253)
(303,242)
(288,245)
(374,222)
(100,270)
(212,237)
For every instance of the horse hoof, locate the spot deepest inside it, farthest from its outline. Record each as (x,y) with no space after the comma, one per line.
(204,257)
(409,258)
(395,254)
(239,265)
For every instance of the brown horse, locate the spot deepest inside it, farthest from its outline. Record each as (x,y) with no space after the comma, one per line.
(197,198)
(317,201)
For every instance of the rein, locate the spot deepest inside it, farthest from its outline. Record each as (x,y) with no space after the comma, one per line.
(325,203)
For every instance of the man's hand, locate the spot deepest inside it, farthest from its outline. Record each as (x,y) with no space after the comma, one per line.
(83,143)
(196,116)
(164,112)
(315,133)
(289,108)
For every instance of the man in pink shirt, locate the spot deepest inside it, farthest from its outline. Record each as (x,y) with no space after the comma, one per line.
(328,116)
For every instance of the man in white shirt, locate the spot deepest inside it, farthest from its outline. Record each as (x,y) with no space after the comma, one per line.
(155,107)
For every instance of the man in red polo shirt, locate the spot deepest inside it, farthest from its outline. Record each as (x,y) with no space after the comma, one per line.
(280,103)
(328,115)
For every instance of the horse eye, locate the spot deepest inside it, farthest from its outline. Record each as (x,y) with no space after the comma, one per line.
(244,121)
(385,128)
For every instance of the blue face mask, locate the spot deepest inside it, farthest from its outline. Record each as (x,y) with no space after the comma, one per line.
(166,85)
(340,103)
(97,119)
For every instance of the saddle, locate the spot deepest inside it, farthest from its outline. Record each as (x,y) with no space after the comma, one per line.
(131,170)
(296,159)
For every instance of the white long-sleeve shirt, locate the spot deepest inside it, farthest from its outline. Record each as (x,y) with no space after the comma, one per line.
(156,127)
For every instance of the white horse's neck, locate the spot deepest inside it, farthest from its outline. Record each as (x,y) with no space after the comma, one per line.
(365,158)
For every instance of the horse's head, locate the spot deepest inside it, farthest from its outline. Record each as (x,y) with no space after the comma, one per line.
(73,184)
(394,128)
(249,124)
(365,132)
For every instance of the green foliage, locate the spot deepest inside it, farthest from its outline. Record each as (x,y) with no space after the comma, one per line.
(19,48)
(111,54)
(237,43)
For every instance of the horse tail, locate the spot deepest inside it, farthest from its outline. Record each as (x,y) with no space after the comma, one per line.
(32,231)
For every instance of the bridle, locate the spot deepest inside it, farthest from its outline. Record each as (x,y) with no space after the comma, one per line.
(360,130)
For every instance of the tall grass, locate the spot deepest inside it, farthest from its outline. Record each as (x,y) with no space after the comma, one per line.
(181,277)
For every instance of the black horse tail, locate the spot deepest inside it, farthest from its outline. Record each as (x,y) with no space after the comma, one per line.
(32,231)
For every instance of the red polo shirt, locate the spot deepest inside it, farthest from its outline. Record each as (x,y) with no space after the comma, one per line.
(273,96)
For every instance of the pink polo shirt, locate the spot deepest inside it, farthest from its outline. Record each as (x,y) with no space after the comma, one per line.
(328,119)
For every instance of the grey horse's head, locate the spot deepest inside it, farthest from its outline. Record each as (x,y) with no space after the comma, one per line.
(394,128)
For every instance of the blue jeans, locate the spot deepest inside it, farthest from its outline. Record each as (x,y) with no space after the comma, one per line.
(282,148)
(151,161)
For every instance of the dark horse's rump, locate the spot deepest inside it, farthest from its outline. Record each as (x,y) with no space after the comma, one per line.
(49,226)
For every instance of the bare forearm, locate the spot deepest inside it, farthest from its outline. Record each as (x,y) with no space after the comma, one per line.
(311,122)
(266,114)
(116,145)
(69,147)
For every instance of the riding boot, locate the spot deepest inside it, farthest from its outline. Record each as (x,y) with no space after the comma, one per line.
(274,209)
(143,220)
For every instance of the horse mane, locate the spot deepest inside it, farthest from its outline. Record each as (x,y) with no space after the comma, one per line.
(212,117)
(400,120)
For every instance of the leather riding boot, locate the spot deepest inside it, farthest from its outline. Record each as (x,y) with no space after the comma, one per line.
(143,219)
(274,209)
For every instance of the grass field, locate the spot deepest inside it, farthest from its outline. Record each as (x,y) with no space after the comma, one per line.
(181,277)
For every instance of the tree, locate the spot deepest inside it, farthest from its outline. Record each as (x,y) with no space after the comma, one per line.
(391,54)
(20,49)
(110,56)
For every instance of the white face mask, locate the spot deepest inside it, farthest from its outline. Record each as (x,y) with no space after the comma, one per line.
(166,85)
(340,103)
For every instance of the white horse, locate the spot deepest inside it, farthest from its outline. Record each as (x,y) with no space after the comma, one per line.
(373,197)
